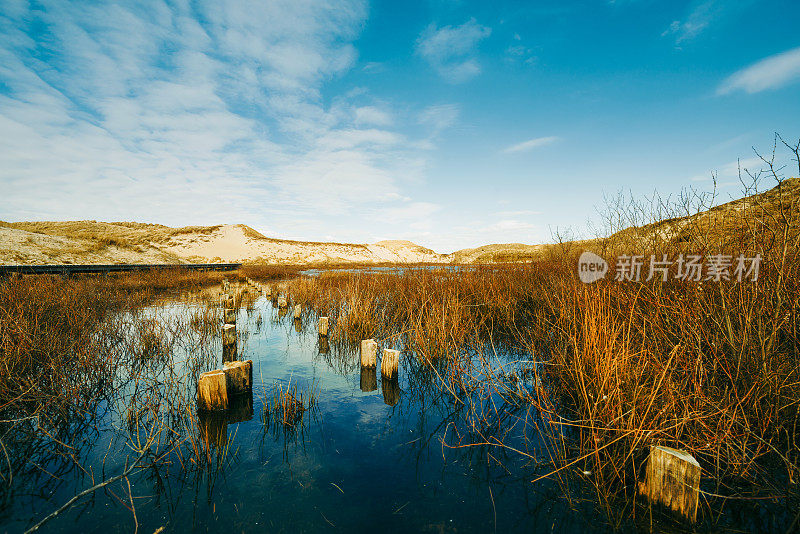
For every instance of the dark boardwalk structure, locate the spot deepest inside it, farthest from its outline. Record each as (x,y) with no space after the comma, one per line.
(66,270)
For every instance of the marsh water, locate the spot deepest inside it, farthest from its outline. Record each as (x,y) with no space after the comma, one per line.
(371,454)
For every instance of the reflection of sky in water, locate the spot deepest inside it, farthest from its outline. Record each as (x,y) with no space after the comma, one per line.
(356,463)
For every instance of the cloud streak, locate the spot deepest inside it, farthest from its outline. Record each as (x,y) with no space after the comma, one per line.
(770,73)
(203,113)
(530,144)
(450,50)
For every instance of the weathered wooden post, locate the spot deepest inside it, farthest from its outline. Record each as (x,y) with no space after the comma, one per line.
(282,302)
(268,290)
(230,302)
(391,391)
(322,327)
(229,353)
(229,334)
(324,346)
(212,391)
(298,311)
(389,363)
(369,353)
(238,377)
(672,478)
(298,325)
(369,379)
(230,316)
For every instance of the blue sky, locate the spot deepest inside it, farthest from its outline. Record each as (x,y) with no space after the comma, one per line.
(452,124)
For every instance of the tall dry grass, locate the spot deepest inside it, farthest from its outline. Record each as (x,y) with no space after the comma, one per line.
(709,367)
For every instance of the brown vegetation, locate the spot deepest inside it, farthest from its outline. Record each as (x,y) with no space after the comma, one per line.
(712,367)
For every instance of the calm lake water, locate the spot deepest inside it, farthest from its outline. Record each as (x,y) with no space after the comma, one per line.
(370,457)
(363,460)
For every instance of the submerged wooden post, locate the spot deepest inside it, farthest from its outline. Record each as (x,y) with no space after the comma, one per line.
(238,377)
(369,379)
(230,316)
(672,478)
(322,327)
(369,353)
(282,302)
(212,391)
(390,363)
(298,310)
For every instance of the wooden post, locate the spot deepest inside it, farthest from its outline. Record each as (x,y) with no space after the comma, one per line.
(298,310)
(324,346)
(282,302)
(268,291)
(389,363)
(322,327)
(298,325)
(369,353)
(229,334)
(230,316)
(229,353)
(238,377)
(391,391)
(369,379)
(672,478)
(230,302)
(212,391)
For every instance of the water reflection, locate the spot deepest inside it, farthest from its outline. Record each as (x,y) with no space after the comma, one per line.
(369,379)
(245,472)
(390,387)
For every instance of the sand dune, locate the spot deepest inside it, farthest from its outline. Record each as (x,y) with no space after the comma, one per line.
(100,242)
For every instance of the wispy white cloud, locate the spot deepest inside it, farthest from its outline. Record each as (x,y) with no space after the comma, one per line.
(189,114)
(769,73)
(451,49)
(439,117)
(531,144)
(517,52)
(728,173)
(700,15)
(373,116)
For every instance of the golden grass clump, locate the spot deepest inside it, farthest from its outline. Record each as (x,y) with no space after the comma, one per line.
(289,403)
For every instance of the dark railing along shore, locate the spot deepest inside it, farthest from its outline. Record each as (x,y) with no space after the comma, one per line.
(6,270)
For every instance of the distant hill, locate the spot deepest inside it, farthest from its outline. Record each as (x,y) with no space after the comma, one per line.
(731,224)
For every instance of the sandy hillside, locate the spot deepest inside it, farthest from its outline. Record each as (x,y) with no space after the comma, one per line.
(240,243)
(20,247)
(100,242)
